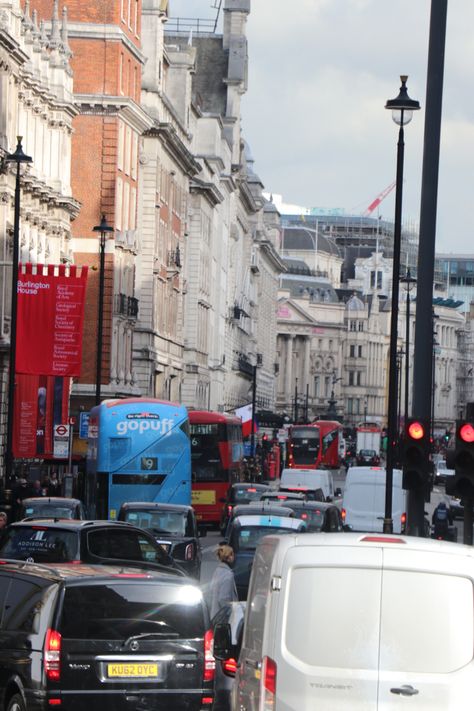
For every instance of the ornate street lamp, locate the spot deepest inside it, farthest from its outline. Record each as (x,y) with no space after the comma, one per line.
(402,108)
(103,229)
(17,157)
(409,282)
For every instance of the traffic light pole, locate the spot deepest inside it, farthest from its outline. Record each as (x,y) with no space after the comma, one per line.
(468,504)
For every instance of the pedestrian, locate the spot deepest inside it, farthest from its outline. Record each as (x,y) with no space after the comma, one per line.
(3,521)
(37,489)
(223,589)
(54,486)
(21,491)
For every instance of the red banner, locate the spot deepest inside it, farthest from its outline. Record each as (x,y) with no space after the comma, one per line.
(50,319)
(41,401)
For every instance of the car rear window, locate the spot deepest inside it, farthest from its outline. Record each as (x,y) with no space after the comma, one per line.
(40,544)
(159,521)
(48,511)
(243,495)
(314,518)
(122,609)
(248,537)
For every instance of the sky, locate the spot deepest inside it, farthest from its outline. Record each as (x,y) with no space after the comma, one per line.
(320,73)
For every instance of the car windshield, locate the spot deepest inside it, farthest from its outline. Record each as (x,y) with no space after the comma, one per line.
(245,494)
(48,510)
(122,609)
(367,452)
(40,544)
(159,521)
(248,537)
(314,518)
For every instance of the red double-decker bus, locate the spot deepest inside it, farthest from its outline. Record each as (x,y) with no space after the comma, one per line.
(217,454)
(315,446)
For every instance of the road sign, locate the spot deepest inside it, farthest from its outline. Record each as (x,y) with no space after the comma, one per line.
(61,441)
(83,425)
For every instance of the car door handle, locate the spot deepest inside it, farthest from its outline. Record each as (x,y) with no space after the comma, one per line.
(405,690)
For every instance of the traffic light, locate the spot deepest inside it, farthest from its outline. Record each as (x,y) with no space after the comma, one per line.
(416,447)
(462,461)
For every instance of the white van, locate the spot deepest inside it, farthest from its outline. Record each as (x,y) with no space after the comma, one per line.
(363,501)
(308,480)
(357,622)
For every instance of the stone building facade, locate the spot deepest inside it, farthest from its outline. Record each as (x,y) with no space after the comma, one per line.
(36,103)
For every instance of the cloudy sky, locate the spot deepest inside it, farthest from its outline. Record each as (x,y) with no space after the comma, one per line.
(320,72)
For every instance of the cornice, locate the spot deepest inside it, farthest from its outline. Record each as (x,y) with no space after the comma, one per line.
(209,190)
(175,147)
(248,199)
(109,33)
(120,106)
(13,49)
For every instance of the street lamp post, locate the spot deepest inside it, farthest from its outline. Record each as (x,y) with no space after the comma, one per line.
(103,229)
(17,157)
(402,108)
(400,354)
(409,282)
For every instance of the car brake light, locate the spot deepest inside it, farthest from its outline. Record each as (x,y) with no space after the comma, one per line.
(304,516)
(54,702)
(229,666)
(269,673)
(52,655)
(207,700)
(189,552)
(381,539)
(252,491)
(229,510)
(404,519)
(343,514)
(209,661)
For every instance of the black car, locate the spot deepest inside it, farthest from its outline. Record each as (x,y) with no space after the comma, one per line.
(173,526)
(242,493)
(317,515)
(281,496)
(50,541)
(369,457)
(102,637)
(52,507)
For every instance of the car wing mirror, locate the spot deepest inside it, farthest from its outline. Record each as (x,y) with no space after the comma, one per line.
(338,492)
(222,641)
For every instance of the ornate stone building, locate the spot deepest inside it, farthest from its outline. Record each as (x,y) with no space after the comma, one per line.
(37,103)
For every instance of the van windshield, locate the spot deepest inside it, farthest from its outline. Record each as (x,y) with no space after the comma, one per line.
(119,610)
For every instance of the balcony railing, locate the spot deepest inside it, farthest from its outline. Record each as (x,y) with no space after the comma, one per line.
(126,305)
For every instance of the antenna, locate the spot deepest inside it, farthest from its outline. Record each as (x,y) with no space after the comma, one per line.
(217,4)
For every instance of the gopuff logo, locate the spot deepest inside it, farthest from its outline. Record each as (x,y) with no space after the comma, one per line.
(141,426)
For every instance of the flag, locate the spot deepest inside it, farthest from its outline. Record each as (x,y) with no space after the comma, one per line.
(245,413)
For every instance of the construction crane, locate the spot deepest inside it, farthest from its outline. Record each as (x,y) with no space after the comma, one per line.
(381,196)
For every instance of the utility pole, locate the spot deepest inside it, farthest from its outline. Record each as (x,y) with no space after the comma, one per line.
(426,253)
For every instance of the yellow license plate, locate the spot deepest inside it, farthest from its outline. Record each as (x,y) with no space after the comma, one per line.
(203,497)
(141,670)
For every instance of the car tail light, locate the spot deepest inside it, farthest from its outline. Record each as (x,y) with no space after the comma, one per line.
(403,520)
(229,510)
(54,702)
(189,552)
(209,661)
(52,655)
(252,491)
(207,700)
(229,666)
(343,514)
(304,516)
(268,690)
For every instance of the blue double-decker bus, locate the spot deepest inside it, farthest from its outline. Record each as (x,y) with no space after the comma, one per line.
(138,450)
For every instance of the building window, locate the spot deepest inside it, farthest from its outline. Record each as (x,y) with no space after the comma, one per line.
(351,377)
(360,351)
(359,378)
(316,385)
(356,406)
(353,325)
(352,351)
(349,406)
(327,386)
(360,325)
(376,279)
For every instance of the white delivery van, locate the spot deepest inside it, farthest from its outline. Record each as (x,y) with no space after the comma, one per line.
(363,501)
(308,480)
(357,622)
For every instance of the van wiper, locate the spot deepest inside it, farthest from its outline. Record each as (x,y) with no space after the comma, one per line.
(148,635)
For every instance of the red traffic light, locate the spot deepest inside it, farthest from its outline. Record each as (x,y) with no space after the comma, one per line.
(466,432)
(416,430)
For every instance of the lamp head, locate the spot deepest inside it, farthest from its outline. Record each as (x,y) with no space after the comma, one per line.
(402,106)
(18,156)
(103,227)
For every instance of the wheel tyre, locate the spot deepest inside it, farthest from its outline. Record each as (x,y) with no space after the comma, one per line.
(16,703)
